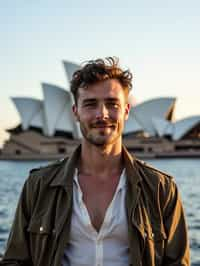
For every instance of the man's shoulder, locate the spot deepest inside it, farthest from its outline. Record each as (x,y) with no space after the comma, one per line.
(46,168)
(153,172)
(47,171)
(156,179)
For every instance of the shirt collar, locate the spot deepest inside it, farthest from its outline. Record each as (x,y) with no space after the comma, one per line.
(121,184)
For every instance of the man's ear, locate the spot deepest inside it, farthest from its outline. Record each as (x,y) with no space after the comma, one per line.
(75,112)
(127,110)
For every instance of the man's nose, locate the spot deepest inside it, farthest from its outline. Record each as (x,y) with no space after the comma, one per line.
(102,112)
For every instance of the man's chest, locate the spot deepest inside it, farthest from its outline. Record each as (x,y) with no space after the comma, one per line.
(97,196)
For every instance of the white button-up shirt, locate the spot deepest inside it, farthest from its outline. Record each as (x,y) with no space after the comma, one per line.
(109,246)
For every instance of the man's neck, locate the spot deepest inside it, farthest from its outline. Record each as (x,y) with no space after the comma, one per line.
(99,161)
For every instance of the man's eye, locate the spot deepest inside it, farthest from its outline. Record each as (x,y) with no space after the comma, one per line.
(114,105)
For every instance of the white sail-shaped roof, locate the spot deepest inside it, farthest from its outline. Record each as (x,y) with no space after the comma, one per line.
(169,130)
(38,119)
(70,68)
(132,125)
(146,111)
(63,124)
(160,125)
(30,111)
(183,126)
(57,109)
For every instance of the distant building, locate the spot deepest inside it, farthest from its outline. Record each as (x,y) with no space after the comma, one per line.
(48,130)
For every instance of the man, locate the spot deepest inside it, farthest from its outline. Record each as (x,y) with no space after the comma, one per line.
(102,206)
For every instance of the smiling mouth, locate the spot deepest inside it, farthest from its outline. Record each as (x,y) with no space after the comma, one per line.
(103,126)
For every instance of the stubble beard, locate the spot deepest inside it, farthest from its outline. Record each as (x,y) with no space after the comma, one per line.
(99,139)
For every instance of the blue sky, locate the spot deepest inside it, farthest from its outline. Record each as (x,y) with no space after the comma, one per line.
(159,41)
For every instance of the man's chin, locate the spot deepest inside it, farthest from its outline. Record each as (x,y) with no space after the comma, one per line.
(101,141)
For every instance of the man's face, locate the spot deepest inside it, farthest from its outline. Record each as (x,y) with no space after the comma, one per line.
(101,111)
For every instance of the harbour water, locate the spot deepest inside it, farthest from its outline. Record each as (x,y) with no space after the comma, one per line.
(185,171)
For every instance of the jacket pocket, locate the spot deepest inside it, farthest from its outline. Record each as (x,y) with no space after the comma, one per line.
(41,239)
(40,227)
(155,244)
(156,235)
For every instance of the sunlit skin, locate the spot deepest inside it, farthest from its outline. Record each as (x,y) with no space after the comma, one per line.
(101,111)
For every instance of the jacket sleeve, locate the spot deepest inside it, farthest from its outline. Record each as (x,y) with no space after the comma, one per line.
(17,250)
(177,243)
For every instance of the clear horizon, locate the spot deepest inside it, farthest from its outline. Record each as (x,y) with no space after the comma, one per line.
(158,41)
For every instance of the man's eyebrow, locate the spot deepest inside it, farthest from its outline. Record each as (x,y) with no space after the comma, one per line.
(109,99)
(90,100)
(112,99)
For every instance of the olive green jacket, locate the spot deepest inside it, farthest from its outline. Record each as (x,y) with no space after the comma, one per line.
(156,221)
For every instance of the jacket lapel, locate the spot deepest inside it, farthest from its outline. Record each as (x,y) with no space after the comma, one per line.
(133,196)
(64,179)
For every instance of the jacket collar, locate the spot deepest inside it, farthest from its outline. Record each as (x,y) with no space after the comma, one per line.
(133,176)
(64,176)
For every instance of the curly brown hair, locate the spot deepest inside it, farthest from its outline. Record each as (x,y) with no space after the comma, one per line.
(98,70)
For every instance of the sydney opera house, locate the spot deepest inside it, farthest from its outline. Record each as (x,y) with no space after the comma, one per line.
(48,130)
